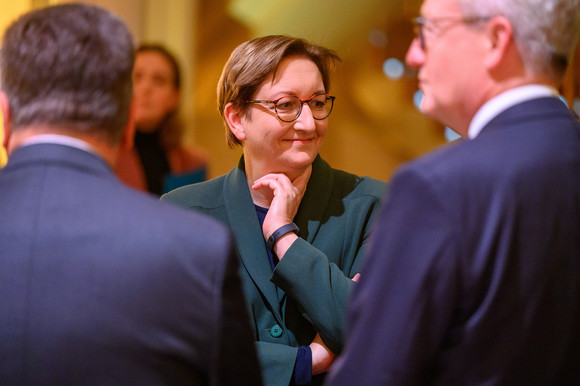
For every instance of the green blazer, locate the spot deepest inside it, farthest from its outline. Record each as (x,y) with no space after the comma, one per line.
(308,290)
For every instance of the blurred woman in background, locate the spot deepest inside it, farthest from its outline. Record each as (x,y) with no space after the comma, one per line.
(159,161)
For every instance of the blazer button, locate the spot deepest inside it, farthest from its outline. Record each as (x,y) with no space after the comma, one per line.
(276,331)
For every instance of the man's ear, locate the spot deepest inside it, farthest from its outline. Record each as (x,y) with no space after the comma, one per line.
(128,138)
(500,40)
(233,117)
(5,106)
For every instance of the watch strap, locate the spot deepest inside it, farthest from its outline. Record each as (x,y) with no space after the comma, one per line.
(284,229)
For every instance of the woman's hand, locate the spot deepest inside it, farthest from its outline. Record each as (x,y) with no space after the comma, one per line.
(322,357)
(286,198)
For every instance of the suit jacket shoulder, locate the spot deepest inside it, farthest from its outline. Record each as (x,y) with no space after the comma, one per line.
(476,238)
(123,287)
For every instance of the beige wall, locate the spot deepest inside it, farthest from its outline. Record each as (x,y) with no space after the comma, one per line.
(10,10)
(374,127)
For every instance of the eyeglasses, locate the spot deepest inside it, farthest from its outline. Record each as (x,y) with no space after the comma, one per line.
(422,23)
(288,108)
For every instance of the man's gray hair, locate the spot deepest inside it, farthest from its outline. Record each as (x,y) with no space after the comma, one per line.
(545,31)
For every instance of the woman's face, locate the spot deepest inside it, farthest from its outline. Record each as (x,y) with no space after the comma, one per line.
(279,146)
(153,89)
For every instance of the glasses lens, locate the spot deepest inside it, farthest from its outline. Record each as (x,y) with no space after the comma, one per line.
(418,30)
(321,106)
(288,108)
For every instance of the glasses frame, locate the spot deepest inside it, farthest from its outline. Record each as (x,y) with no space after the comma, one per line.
(302,101)
(420,23)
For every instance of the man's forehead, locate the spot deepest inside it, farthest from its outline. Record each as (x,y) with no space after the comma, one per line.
(440,8)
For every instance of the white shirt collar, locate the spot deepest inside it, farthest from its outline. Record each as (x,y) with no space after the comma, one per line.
(505,100)
(60,140)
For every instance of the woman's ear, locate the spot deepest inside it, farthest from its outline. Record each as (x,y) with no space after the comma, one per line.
(233,117)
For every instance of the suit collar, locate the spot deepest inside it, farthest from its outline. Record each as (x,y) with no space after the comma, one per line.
(531,110)
(51,154)
(60,140)
(506,100)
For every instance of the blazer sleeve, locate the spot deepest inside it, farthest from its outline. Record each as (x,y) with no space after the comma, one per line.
(277,361)
(321,287)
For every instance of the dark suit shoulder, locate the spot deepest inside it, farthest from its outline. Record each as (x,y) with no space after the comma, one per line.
(147,213)
(439,158)
(516,142)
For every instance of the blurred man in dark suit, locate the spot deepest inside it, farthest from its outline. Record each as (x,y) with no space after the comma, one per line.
(100,284)
(473,274)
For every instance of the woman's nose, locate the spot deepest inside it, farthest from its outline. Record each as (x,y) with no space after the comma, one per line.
(306,120)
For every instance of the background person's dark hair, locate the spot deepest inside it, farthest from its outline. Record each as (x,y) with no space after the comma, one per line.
(57,71)
(172,128)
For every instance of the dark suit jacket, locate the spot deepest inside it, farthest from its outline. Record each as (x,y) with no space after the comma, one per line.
(100,284)
(473,276)
(334,220)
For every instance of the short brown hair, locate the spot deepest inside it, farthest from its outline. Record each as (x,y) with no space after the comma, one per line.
(252,62)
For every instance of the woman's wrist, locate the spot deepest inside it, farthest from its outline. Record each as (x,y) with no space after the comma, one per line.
(283,244)
(279,233)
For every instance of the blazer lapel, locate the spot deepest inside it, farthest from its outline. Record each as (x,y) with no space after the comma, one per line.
(315,200)
(244,221)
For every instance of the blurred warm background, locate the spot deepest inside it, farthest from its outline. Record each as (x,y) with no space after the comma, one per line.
(375,125)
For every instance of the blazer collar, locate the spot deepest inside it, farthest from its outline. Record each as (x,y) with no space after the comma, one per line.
(244,222)
(315,201)
(504,101)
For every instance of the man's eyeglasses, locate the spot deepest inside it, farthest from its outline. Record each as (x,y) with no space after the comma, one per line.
(426,23)
(288,108)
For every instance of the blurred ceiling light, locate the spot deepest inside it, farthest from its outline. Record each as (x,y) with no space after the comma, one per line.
(393,68)
(417,99)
